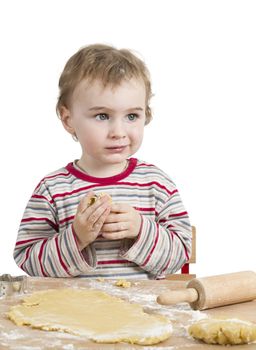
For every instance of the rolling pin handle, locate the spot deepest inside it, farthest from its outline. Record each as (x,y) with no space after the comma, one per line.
(188,295)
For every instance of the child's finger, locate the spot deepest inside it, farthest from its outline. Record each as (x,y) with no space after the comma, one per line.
(115,235)
(116,217)
(120,208)
(115,227)
(83,205)
(100,221)
(94,214)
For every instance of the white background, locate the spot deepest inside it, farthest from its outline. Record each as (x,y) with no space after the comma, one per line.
(202,57)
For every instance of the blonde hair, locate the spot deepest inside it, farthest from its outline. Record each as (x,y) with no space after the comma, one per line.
(106,63)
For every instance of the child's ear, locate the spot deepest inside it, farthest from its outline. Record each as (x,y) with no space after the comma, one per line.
(66,119)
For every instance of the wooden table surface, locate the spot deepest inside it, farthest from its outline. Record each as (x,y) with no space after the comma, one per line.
(13,337)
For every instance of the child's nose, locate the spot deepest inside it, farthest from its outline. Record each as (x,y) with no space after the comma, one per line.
(117,130)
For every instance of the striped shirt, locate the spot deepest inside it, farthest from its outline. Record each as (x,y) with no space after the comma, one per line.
(47,245)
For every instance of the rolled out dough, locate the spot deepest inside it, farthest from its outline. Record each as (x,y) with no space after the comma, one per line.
(230,331)
(98,316)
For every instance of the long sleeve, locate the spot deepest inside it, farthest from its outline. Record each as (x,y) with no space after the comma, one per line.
(43,248)
(164,243)
(46,244)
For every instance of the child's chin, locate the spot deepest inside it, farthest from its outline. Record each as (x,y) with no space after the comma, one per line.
(117,158)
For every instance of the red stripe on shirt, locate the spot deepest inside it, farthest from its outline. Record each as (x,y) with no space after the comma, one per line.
(113,262)
(167,265)
(51,177)
(26,258)
(42,197)
(132,184)
(59,256)
(165,268)
(67,219)
(76,241)
(40,257)
(151,251)
(144,164)
(178,214)
(163,221)
(82,189)
(185,248)
(29,240)
(52,224)
(144,209)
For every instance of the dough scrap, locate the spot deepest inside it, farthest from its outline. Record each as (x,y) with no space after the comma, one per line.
(97,315)
(123,283)
(100,279)
(223,332)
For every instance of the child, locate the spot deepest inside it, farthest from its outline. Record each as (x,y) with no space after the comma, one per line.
(144,230)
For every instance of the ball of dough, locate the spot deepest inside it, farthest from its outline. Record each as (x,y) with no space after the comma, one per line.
(217,331)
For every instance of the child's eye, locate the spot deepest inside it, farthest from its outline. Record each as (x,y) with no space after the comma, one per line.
(102,116)
(131,117)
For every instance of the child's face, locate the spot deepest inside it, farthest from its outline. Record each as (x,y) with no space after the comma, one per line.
(108,122)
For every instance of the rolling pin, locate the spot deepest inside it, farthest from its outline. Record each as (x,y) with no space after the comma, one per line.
(214,291)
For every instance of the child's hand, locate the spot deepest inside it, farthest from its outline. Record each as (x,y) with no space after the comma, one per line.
(89,219)
(123,222)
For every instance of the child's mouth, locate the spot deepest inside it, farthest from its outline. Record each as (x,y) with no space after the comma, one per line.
(118,149)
